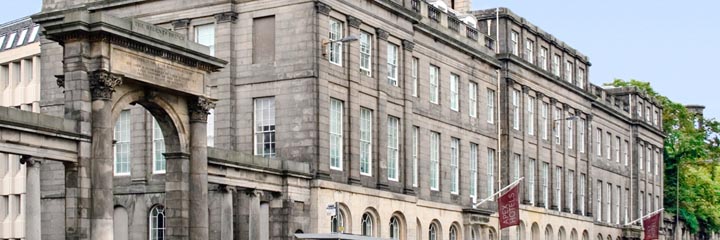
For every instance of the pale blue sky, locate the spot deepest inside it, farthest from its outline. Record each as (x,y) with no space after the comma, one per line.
(669,43)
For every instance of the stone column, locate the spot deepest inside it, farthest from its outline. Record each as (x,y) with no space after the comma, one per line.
(102,84)
(177,199)
(408,125)
(32,198)
(247,224)
(199,109)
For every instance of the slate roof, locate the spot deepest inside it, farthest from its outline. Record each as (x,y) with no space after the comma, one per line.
(18,33)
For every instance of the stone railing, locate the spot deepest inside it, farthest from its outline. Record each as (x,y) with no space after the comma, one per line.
(433,13)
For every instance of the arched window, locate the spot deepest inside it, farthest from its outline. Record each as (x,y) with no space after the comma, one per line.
(453,233)
(157,223)
(432,232)
(394,228)
(337,222)
(472,235)
(367,225)
(548,233)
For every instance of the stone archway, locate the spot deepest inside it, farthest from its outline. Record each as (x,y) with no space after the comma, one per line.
(108,64)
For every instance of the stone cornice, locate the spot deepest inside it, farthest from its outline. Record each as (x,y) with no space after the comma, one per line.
(226,17)
(353,21)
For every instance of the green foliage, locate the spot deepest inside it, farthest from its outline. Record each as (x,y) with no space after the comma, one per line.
(694,151)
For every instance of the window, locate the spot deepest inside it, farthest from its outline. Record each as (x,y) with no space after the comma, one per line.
(581,193)
(472,99)
(544,178)
(568,71)
(542,59)
(158,149)
(205,35)
(335,48)
(530,51)
(531,115)
(515,167)
(490,172)
(392,64)
(598,142)
(626,149)
(544,120)
(454,171)
(625,206)
(122,144)
(10,41)
(394,228)
(211,128)
(598,213)
(557,119)
(531,182)
(21,38)
(33,34)
(581,138)
(432,232)
(657,161)
(641,203)
(608,209)
(639,109)
(366,54)
(414,75)
(336,134)
(514,47)
(454,98)
(656,118)
(265,127)
(367,225)
(617,205)
(556,65)
(434,87)
(157,223)
(434,160)
(649,158)
(365,141)
(263,40)
(516,109)
(581,78)
(473,169)
(571,190)
(570,133)
(640,156)
(2,39)
(393,148)
(608,151)
(491,106)
(558,186)
(415,149)
(337,222)
(617,149)
(453,233)
(647,114)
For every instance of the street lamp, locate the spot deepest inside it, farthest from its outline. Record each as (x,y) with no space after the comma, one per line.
(347,39)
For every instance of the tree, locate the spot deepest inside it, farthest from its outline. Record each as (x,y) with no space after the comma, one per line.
(692,146)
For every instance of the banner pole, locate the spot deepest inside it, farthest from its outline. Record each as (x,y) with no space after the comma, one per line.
(646,215)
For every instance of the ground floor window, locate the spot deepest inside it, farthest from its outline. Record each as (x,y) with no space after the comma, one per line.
(157,223)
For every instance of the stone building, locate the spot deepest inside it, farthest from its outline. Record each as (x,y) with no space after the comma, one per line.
(19,88)
(402,113)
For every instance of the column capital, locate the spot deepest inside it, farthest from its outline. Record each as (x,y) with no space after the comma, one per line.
(322,8)
(226,17)
(60,80)
(30,161)
(353,21)
(103,83)
(181,23)
(525,89)
(199,109)
(408,45)
(382,34)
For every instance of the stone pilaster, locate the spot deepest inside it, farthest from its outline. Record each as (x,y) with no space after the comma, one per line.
(33,230)
(199,109)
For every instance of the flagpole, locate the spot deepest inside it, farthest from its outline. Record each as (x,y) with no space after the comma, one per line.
(646,215)
(516,182)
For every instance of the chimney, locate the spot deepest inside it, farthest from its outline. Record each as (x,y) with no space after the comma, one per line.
(698,111)
(461,6)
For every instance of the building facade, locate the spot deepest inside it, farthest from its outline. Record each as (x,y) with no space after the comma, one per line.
(429,111)
(20,88)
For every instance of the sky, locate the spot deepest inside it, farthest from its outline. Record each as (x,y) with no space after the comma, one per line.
(669,44)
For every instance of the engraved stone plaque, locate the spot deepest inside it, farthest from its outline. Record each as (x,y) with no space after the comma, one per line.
(156,71)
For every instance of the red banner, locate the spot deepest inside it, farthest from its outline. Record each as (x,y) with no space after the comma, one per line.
(652,227)
(509,208)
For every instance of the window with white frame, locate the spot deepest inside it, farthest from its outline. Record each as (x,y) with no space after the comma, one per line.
(516,109)
(581,193)
(157,223)
(531,181)
(33,34)
(414,75)
(647,113)
(516,167)
(434,160)
(393,148)
(657,161)
(434,84)
(617,149)
(568,71)
(656,118)
(122,144)
(432,232)
(205,35)
(366,53)
(581,78)
(490,106)
(454,161)
(581,138)
(558,187)
(392,64)
(625,150)
(608,151)
(598,142)
(265,127)
(544,120)
(569,139)
(490,172)
(365,141)
(472,99)
(531,115)
(640,202)
(599,191)
(557,120)
(21,38)
(514,47)
(454,96)
(394,228)
(545,181)
(158,149)
(617,204)
(639,108)
(336,134)
(211,128)
(556,65)
(608,206)
(473,169)
(335,48)
(530,51)
(453,233)
(542,58)
(337,222)
(641,160)
(415,149)
(366,226)
(625,206)
(571,190)
(649,159)
(11,39)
